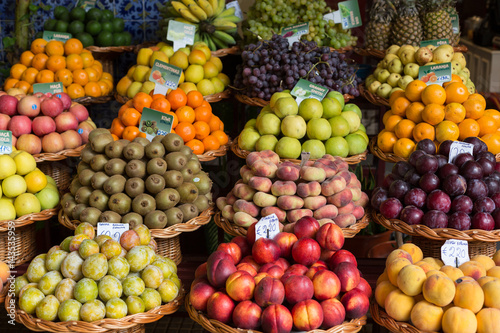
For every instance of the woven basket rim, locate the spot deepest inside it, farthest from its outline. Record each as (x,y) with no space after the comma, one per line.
(369,52)
(211,155)
(383,319)
(436,234)
(100,326)
(110,49)
(215,326)
(255,101)
(342,49)
(29,218)
(3,294)
(372,98)
(227,51)
(87,100)
(209,98)
(355,159)
(60,155)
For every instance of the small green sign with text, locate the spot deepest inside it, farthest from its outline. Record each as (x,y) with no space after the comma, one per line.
(293,32)
(306,89)
(5,142)
(435,74)
(155,123)
(52,87)
(351,16)
(86,4)
(54,35)
(434,42)
(455,24)
(181,34)
(165,75)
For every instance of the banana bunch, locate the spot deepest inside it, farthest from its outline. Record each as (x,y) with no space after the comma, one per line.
(215,24)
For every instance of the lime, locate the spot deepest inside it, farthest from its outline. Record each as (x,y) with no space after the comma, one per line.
(118,39)
(50,24)
(77,14)
(107,15)
(76,27)
(61,13)
(105,38)
(61,26)
(93,28)
(94,14)
(107,26)
(118,24)
(128,38)
(85,38)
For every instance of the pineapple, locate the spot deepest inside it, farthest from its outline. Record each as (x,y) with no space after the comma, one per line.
(407,28)
(437,21)
(378,30)
(450,7)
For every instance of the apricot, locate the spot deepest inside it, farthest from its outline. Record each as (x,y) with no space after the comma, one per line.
(485,279)
(436,262)
(452,272)
(458,320)
(426,316)
(496,257)
(382,277)
(469,295)
(494,272)
(485,260)
(394,267)
(492,294)
(398,305)
(474,269)
(438,290)
(413,250)
(411,279)
(432,272)
(398,253)
(488,320)
(426,266)
(382,290)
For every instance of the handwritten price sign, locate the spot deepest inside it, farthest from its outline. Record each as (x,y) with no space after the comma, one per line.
(267,227)
(113,230)
(455,252)
(459,147)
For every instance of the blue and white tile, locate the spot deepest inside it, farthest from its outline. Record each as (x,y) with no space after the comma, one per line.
(7,9)
(129,9)
(151,10)
(136,29)
(151,31)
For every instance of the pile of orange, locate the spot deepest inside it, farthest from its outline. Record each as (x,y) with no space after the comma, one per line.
(193,119)
(55,61)
(438,113)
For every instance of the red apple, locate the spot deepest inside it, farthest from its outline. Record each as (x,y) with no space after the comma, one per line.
(356,304)
(219,266)
(272,269)
(306,251)
(298,288)
(201,270)
(220,307)
(240,286)
(326,285)
(348,275)
(52,107)
(66,101)
(8,105)
(52,143)
(342,256)
(246,315)
(276,319)
(4,121)
(269,291)
(66,121)
(20,125)
(333,313)
(243,244)
(285,240)
(307,315)
(29,143)
(199,295)
(306,226)
(330,237)
(29,106)
(232,249)
(244,266)
(43,125)
(71,139)
(365,287)
(265,250)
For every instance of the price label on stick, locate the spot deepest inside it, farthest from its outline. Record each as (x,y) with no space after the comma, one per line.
(348,14)
(54,35)
(5,142)
(113,230)
(455,252)
(267,227)
(155,123)
(434,42)
(237,9)
(304,157)
(459,147)
(86,4)
(181,34)
(52,87)
(435,74)
(455,24)
(165,76)
(293,32)
(306,89)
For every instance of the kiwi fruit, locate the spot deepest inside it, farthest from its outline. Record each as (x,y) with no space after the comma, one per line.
(83,194)
(201,203)
(158,138)
(99,142)
(187,192)
(173,178)
(114,149)
(156,165)
(77,210)
(187,174)
(74,186)
(87,154)
(176,160)
(155,184)
(143,141)
(155,220)
(188,152)
(82,166)
(174,216)
(90,215)
(68,207)
(133,151)
(189,211)
(115,166)
(154,149)
(67,196)
(96,132)
(98,180)
(172,142)
(143,204)
(194,158)
(134,187)
(85,176)
(98,162)
(114,184)
(202,182)
(135,168)
(167,199)
(99,199)
(133,219)
(110,217)
(120,203)
(194,165)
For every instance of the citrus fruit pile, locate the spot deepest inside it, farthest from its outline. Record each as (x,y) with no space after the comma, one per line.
(201,70)
(193,119)
(95,27)
(55,61)
(439,114)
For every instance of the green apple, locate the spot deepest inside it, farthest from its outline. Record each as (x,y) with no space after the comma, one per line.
(293,127)
(353,107)
(331,107)
(285,106)
(310,108)
(288,147)
(277,96)
(353,120)
(266,142)
(363,134)
(269,123)
(340,126)
(337,95)
(337,146)
(319,129)
(248,138)
(48,197)
(357,144)
(315,147)
(251,123)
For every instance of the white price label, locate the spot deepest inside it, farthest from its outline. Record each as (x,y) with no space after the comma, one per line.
(455,252)
(459,147)
(304,157)
(237,9)
(113,230)
(267,227)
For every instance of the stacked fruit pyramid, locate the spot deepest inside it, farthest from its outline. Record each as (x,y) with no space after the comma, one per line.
(300,280)
(434,297)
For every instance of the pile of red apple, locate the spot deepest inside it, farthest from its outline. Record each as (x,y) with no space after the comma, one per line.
(301,281)
(45,122)
(463,195)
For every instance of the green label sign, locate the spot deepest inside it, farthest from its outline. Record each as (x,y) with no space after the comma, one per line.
(54,35)
(181,34)
(434,42)
(306,89)
(455,23)
(5,142)
(86,4)
(349,11)
(155,123)
(52,87)
(165,76)
(435,74)
(293,32)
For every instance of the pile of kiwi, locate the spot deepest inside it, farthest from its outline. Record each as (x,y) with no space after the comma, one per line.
(158,183)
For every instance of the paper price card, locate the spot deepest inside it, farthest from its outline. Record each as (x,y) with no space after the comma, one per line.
(53,35)
(455,24)
(5,142)
(237,9)
(293,32)
(455,252)
(306,89)
(165,76)
(86,4)
(52,87)
(304,157)
(348,14)
(155,123)
(181,34)
(113,230)
(459,147)
(267,227)
(435,74)
(434,42)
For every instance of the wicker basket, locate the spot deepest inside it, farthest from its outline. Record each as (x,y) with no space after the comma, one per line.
(432,248)
(110,49)
(170,247)
(224,52)
(27,220)
(129,324)
(60,155)
(383,319)
(24,248)
(60,171)
(355,159)
(254,101)
(215,326)
(209,98)
(213,154)
(372,98)
(235,230)
(387,157)
(87,100)
(342,49)
(381,53)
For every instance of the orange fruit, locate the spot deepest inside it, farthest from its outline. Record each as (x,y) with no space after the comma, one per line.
(65,76)
(92,89)
(80,76)
(105,89)
(26,58)
(10,82)
(160,104)
(215,124)
(404,129)
(423,131)
(115,137)
(130,117)
(73,46)
(492,140)
(487,125)
(108,76)
(38,45)
(203,113)
(221,136)
(454,78)
(175,121)
(493,113)
(414,89)
(403,147)
(55,63)
(185,130)
(17,71)
(454,112)
(128,104)
(447,130)
(467,128)
(433,113)
(433,94)
(177,98)
(194,99)
(74,62)
(386,116)
(92,74)
(202,130)
(399,106)
(87,59)
(206,104)
(414,112)
(196,146)
(108,82)
(76,91)
(29,75)
(130,133)
(185,114)
(39,61)
(45,76)
(391,122)
(456,92)
(478,97)
(386,141)
(395,95)
(23,85)
(211,143)
(474,108)
(54,47)
(117,127)
(97,69)
(142,100)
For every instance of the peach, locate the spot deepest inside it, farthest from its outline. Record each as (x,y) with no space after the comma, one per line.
(231,198)
(355,191)
(228,212)
(348,275)
(426,316)
(330,237)
(242,244)
(288,171)
(356,303)
(434,261)
(346,175)
(434,271)
(298,288)
(486,261)
(243,191)
(272,270)
(251,261)
(395,267)
(247,268)
(492,294)
(326,212)
(296,269)
(246,174)
(306,227)
(219,266)
(469,295)
(438,290)
(201,270)
(493,272)
(341,199)
(410,279)
(485,279)
(488,320)
(341,256)
(265,250)
(283,263)
(307,315)
(276,318)
(221,202)
(310,189)
(363,200)
(257,278)
(333,313)
(456,319)
(496,258)
(326,285)
(311,173)
(4,273)
(474,269)
(232,249)
(262,199)
(333,185)
(326,254)
(398,305)
(285,241)
(382,290)
(329,167)
(252,158)
(296,214)
(358,212)
(398,253)
(344,220)
(247,207)
(289,202)
(347,209)
(240,286)
(313,270)
(306,251)
(314,203)
(264,168)
(243,219)
(262,184)
(270,156)
(383,277)
(365,287)
(269,291)
(220,307)
(246,315)
(425,266)
(281,187)
(452,272)
(199,295)
(414,251)
(280,213)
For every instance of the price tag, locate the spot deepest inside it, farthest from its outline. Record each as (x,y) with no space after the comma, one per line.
(435,74)
(293,32)
(304,157)
(459,147)
(331,17)
(165,76)
(5,142)
(455,252)
(181,34)
(350,15)
(455,24)
(52,87)
(113,230)
(267,227)
(237,9)
(54,35)
(86,4)
(434,42)
(306,89)
(155,123)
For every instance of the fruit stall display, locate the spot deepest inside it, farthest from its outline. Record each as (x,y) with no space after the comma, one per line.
(288,128)
(94,282)
(324,189)
(81,75)
(301,280)
(201,71)
(159,184)
(417,294)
